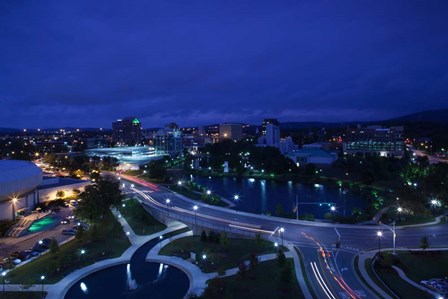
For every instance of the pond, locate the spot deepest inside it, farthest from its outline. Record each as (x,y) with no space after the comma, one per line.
(268,196)
(135,280)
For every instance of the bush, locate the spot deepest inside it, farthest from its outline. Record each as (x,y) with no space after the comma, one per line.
(203,236)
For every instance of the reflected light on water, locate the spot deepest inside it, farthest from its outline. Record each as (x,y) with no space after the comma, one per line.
(83,287)
(132,284)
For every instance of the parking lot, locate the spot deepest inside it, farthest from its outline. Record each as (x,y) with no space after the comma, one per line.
(26,243)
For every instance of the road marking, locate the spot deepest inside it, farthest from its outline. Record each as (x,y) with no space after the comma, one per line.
(321,281)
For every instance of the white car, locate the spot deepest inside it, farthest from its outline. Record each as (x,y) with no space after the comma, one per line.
(17,261)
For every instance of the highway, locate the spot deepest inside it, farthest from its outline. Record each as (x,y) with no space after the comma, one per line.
(330,269)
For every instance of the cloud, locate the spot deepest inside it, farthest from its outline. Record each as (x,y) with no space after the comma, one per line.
(216,61)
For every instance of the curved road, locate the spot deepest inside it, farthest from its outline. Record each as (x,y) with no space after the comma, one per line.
(330,269)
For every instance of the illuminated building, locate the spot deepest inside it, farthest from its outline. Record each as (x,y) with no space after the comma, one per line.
(375,140)
(127,131)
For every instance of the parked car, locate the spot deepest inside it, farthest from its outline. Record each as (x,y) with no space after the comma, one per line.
(45,243)
(74,203)
(16,261)
(65,221)
(68,232)
(38,248)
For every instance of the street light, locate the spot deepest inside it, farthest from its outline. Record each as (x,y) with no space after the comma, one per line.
(132,188)
(14,200)
(82,255)
(4,274)
(282,230)
(160,238)
(42,280)
(167,202)
(195,208)
(379,235)
(399,210)
(236,197)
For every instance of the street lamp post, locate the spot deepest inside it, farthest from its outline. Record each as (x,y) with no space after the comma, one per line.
(195,208)
(282,230)
(434,203)
(394,236)
(42,280)
(379,234)
(399,210)
(82,255)
(132,188)
(4,274)
(167,201)
(14,200)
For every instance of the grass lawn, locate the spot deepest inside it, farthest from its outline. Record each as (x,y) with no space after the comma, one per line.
(218,257)
(142,222)
(264,281)
(109,241)
(420,266)
(196,196)
(21,295)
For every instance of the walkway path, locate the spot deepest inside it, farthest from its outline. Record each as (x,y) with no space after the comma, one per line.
(405,278)
(198,279)
(363,256)
(58,290)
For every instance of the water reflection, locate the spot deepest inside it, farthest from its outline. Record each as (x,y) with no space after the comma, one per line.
(261,196)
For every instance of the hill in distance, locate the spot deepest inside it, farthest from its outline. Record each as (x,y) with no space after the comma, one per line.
(431,116)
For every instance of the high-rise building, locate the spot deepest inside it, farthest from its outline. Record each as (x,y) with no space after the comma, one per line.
(127,131)
(375,140)
(231,131)
(272,135)
(267,121)
(169,140)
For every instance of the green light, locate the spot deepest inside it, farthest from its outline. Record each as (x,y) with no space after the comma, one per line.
(135,121)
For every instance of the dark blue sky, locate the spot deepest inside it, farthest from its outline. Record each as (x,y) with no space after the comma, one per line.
(86,63)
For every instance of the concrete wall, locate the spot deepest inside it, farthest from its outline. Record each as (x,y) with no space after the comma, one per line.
(198,226)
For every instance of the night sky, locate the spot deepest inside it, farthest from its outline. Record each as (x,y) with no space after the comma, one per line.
(87,63)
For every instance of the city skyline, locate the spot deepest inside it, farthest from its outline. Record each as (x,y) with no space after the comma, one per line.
(86,64)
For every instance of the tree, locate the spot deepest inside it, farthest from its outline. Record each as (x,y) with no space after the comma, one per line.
(157,170)
(281,258)
(424,243)
(203,236)
(98,198)
(242,269)
(253,260)
(54,247)
(223,240)
(60,194)
(80,233)
(258,239)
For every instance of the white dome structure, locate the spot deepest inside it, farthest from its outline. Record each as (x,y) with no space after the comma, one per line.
(17,178)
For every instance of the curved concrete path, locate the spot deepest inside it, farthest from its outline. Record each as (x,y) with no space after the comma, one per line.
(198,279)
(58,290)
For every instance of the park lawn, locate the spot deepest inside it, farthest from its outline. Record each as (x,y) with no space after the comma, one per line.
(261,282)
(420,266)
(399,286)
(21,295)
(236,251)
(110,242)
(196,196)
(141,222)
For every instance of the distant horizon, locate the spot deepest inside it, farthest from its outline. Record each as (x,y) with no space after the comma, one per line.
(213,123)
